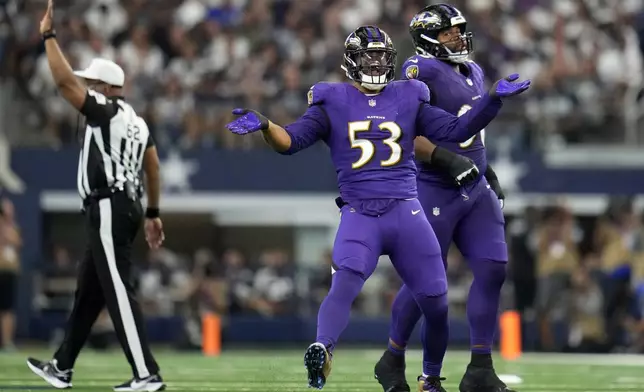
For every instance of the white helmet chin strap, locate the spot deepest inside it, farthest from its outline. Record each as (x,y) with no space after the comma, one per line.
(457,58)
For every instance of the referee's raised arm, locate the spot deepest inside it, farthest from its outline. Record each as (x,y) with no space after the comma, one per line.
(67,83)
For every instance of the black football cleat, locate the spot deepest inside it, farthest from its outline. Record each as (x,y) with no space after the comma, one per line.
(152,383)
(48,371)
(317,361)
(430,384)
(482,379)
(390,373)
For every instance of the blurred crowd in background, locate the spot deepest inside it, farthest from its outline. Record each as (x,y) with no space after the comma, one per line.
(188,62)
(586,274)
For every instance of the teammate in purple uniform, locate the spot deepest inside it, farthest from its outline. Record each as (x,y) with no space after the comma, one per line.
(469,214)
(370,125)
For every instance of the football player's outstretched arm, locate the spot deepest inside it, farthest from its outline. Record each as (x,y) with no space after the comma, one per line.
(304,132)
(312,126)
(276,137)
(436,124)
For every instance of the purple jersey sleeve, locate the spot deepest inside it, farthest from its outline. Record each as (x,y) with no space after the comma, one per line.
(310,127)
(436,124)
(412,69)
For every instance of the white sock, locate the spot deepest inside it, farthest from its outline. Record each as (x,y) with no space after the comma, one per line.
(425,376)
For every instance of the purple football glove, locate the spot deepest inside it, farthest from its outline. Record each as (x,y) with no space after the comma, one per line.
(508,87)
(249,122)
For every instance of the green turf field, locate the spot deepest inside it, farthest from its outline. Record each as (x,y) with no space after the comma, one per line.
(283,371)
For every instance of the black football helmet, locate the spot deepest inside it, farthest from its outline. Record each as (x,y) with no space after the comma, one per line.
(428,23)
(370,57)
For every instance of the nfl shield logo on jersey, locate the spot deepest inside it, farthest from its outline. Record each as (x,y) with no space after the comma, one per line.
(436,211)
(372,102)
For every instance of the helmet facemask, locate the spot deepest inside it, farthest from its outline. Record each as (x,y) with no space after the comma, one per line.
(370,58)
(456,50)
(374,67)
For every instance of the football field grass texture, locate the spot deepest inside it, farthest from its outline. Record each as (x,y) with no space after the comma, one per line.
(283,371)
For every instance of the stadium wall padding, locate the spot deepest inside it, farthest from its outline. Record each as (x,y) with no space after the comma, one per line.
(285,331)
(261,170)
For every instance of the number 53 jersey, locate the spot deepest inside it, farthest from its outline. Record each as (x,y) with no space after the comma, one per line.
(371,137)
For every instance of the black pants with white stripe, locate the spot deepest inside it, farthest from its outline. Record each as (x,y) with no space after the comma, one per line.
(104,279)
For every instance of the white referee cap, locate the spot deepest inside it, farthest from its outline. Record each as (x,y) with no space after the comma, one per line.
(105,71)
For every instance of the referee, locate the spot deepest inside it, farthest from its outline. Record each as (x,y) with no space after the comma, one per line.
(116,146)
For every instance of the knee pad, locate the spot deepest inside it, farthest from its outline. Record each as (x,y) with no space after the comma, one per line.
(346,283)
(352,265)
(435,307)
(489,272)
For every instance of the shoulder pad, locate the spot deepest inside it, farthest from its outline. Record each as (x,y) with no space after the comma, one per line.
(419,67)
(420,89)
(318,92)
(410,68)
(478,75)
(477,67)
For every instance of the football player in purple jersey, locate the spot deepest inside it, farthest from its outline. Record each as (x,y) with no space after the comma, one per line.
(370,124)
(460,195)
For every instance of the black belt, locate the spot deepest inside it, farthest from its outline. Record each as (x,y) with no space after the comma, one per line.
(103,193)
(99,194)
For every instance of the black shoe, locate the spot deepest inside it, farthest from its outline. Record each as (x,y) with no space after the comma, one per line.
(317,361)
(482,379)
(48,371)
(430,384)
(390,373)
(149,384)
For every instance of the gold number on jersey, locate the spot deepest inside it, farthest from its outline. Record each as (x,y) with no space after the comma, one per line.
(368,149)
(464,109)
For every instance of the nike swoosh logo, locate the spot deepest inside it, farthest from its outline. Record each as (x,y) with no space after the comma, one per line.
(475,98)
(413,61)
(415,212)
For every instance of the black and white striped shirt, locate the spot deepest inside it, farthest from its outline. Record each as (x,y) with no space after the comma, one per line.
(114,143)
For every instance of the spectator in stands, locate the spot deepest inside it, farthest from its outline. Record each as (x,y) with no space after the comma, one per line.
(206,292)
(164,283)
(208,278)
(523,247)
(619,237)
(273,285)
(10,244)
(321,279)
(557,258)
(575,51)
(239,279)
(56,283)
(587,332)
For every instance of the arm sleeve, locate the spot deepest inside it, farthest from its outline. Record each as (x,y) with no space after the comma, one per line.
(490,174)
(97,108)
(436,124)
(308,129)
